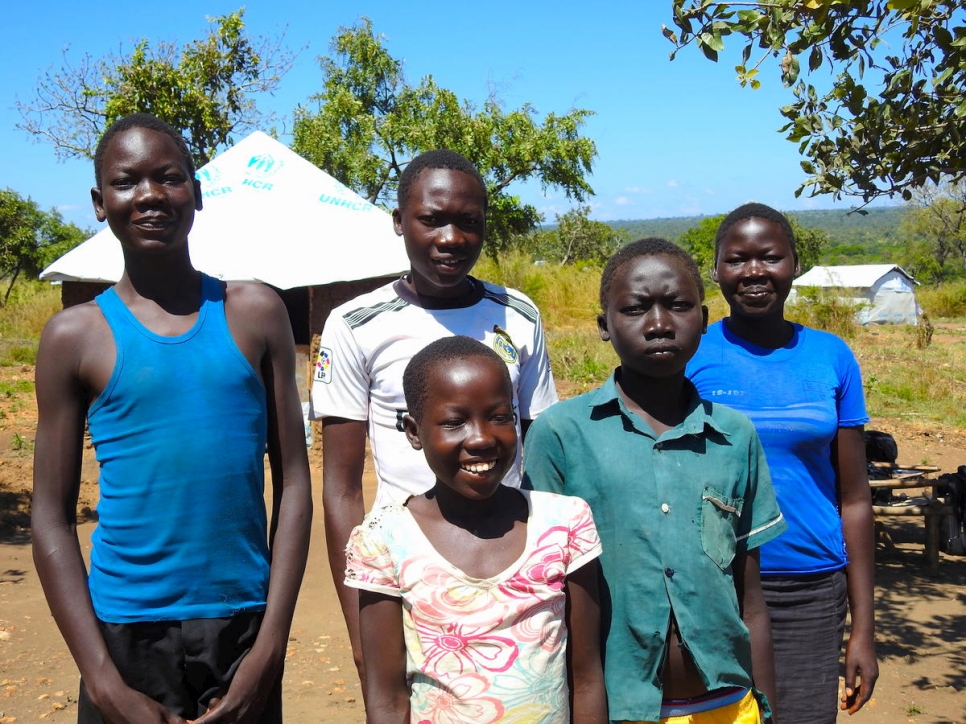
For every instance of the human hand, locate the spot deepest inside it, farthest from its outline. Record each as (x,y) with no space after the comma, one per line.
(125,705)
(246,696)
(861,664)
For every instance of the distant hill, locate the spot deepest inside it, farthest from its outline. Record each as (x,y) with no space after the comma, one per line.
(853,238)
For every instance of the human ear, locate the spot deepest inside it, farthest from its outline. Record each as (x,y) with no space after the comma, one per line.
(714,273)
(397,222)
(412,431)
(98,202)
(197,187)
(704,319)
(602,327)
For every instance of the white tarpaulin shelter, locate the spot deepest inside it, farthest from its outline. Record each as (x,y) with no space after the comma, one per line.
(270,216)
(883,293)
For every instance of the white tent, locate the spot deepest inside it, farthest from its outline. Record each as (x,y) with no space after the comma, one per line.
(883,293)
(270,216)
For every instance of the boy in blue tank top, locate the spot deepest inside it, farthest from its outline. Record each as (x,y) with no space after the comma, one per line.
(183,381)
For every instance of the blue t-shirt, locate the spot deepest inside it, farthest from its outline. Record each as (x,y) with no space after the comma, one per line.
(798,396)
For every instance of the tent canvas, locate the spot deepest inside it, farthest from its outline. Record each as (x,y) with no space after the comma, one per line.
(883,293)
(269,216)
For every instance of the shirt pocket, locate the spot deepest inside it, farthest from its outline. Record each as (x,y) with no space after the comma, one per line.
(719,524)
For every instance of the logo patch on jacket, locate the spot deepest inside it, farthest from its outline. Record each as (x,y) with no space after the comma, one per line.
(503,345)
(323,366)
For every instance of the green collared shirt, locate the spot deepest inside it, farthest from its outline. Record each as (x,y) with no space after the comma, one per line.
(672,511)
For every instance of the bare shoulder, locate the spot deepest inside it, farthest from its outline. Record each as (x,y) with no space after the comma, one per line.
(258,320)
(76,350)
(253,298)
(74,329)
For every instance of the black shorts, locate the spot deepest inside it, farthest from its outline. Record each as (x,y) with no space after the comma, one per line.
(181,664)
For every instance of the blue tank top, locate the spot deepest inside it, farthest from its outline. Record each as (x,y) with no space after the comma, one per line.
(179,432)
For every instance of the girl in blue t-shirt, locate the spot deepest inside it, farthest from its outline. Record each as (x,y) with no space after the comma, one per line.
(802,389)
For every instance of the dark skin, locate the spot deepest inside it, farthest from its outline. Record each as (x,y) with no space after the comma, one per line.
(754,267)
(467,432)
(149,197)
(655,319)
(442,223)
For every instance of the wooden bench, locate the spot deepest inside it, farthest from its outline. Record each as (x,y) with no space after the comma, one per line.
(932,510)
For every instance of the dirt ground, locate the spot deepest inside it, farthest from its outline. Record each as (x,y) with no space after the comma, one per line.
(921,616)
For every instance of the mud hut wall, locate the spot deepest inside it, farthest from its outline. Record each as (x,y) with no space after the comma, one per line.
(74,293)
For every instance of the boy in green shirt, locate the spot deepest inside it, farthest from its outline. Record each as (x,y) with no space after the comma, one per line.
(680,491)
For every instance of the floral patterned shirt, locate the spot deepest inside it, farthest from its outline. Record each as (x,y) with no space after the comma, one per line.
(480,650)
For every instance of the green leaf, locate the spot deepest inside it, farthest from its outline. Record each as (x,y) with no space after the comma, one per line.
(815,58)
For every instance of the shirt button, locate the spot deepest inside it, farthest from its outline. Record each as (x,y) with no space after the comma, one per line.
(665,508)
(669,572)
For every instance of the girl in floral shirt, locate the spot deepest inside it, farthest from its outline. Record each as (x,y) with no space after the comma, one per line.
(478,602)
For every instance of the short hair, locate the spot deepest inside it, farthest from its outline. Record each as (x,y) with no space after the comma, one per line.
(440,158)
(416,378)
(758,211)
(140,120)
(651,246)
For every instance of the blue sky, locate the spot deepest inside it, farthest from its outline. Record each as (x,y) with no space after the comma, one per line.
(673,138)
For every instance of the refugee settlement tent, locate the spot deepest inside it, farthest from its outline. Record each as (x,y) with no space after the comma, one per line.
(882,293)
(270,216)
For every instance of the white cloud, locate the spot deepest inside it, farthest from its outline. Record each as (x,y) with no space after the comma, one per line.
(672,183)
(637,190)
(622,201)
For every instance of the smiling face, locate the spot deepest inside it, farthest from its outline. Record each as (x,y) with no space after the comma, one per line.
(466,425)
(654,316)
(755,267)
(147,194)
(442,223)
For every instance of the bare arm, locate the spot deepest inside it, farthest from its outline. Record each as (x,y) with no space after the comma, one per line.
(62,400)
(588,698)
(343,459)
(291,509)
(855,498)
(384,650)
(754,613)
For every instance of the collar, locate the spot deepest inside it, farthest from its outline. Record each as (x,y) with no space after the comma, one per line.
(697,419)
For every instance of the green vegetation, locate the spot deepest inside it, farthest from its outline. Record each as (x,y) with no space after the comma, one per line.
(903,377)
(822,309)
(205,88)
(888,111)
(870,238)
(369,122)
(30,305)
(945,300)
(21,444)
(30,239)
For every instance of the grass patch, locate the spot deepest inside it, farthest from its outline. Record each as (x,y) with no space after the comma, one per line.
(948,300)
(15,388)
(21,444)
(822,309)
(903,379)
(22,319)
(903,376)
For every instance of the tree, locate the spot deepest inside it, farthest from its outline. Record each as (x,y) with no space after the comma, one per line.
(204,90)
(30,239)
(370,122)
(935,219)
(576,238)
(698,241)
(895,115)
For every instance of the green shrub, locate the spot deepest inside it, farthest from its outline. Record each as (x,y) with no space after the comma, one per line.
(946,300)
(822,309)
